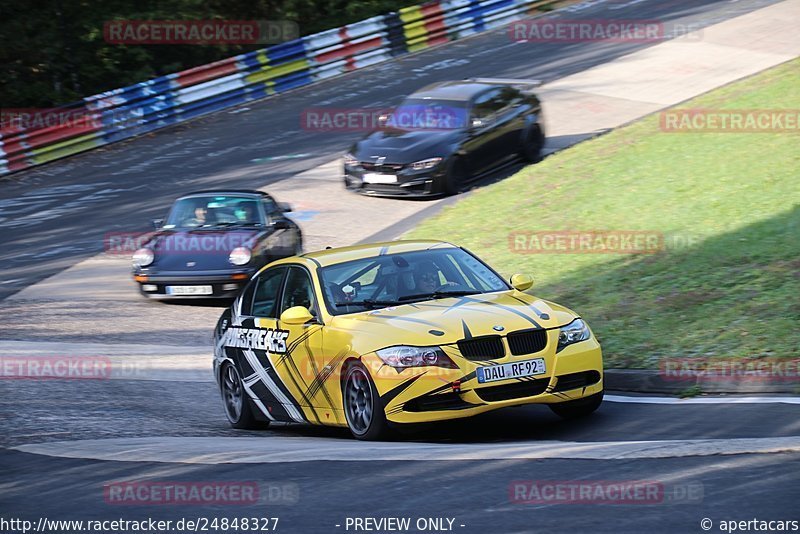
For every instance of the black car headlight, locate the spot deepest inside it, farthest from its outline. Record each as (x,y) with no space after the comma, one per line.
(350,160)
(574,332)
(425,164)
(402,356)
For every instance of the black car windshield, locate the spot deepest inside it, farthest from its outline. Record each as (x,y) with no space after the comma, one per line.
(213,211)
(403,278)
(428,114)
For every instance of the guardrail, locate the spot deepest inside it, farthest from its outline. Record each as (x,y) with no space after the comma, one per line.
(137,109)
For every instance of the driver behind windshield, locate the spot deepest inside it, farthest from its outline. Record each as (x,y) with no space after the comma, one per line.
(199,213)
(247,213)
(426,278)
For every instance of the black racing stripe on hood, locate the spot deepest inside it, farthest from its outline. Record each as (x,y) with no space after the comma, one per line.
(540,314)
(467,333)
(407,319)
(516,312)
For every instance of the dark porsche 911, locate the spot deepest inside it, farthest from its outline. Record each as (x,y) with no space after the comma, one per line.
(212,242)
(445,136)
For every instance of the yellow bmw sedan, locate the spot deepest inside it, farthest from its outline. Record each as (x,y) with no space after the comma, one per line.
(375,336)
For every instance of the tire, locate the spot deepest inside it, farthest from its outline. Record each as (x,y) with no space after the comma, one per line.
(235,401)
(455,177)
(532,144)
(363,408)
(578,408)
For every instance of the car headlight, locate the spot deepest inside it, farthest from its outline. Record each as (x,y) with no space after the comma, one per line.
(574,332)
(350,160)
(425,164)
(143,257)
(403,356)
(240,255)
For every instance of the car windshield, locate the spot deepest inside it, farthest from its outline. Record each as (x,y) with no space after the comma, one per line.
(214,211)
(396,279)
(428,114)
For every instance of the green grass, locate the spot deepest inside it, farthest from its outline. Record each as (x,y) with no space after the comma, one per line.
(734,293)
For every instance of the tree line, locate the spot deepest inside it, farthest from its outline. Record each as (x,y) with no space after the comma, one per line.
(54,52)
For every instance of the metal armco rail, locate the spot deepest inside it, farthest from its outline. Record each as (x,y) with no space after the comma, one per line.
(153,104)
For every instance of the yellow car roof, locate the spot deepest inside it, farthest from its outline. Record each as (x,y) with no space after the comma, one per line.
(333,256)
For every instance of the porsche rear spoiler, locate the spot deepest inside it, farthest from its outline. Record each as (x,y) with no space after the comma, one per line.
(506,81)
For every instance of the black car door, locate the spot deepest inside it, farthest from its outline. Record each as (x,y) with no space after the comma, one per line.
(484,136)
(510,120)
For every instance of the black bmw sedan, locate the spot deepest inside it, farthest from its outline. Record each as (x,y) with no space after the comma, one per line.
(445,136)
(212,242)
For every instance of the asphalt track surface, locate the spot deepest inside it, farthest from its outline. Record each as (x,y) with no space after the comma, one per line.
(54,216)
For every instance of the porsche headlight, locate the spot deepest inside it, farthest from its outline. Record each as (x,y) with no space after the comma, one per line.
(240,256)
(143,257)
(403,356)
(574,332)
(425,164)
(350,160)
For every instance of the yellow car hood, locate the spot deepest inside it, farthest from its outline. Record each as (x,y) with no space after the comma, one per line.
(448,320)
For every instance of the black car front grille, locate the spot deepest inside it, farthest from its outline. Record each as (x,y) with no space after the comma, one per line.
(527,341)
(432,403)
(482,348)
(517,390)
(383,167)
(576,380)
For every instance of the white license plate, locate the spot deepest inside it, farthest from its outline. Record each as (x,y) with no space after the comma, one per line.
(376,178)
(492,373)
(189,290)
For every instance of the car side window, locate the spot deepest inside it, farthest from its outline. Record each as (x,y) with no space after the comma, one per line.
(270,207)
(299,291)
(487,105)
(268,287)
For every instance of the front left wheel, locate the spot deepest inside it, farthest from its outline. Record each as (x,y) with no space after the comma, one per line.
(363,409)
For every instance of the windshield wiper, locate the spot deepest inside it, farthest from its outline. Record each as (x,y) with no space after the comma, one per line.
(440,294)
(236,223)
(368,302)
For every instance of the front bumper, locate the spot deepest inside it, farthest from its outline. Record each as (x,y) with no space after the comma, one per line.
(224,284)
(425,394)
(408,183)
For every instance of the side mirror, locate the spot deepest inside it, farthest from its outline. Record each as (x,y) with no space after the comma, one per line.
(284,206)
(280,224)
(296,315)
(521,282)
(158,223)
